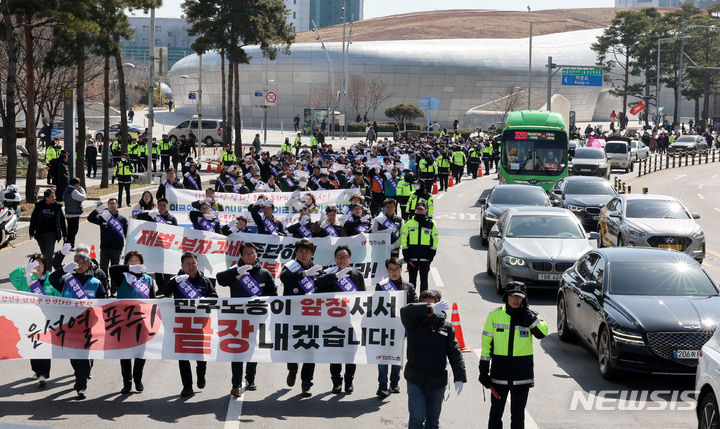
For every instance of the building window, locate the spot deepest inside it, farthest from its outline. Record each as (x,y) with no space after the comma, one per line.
(158,28)
(144,41)
(293,18)
(158,42)
(171,33)
(145,27)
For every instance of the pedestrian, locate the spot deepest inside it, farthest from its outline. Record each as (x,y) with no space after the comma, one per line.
(76,281)
(61,175)
(419,245)
(192,144)
(191,179)
(247,280)
(123,172)
(91,154)
(256,143)
(146,204)
(389,220)
(370,134)
(341,278)
(131,115)
(133,283)
(393,282)
(74,196)
(47,224)
(34,278)
(442,164)
(507,344)
(176,153)
(458,160)
(190,283)
(205,218)
(296,122)
(431,344)
(113,230)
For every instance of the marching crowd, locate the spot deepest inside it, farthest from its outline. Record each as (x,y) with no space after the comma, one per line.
(384,194)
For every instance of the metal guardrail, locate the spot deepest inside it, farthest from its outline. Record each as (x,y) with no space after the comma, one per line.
(663,161)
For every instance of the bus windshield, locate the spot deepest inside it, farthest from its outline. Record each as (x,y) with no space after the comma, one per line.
(534,152)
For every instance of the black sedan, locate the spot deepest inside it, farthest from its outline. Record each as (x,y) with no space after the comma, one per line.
(590,161)
(640,310)
(502,197)
(585,196)
(688,143)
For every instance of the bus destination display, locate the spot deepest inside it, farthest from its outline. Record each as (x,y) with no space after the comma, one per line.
(534,135)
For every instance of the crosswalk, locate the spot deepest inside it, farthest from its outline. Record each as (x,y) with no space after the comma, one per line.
(457,216)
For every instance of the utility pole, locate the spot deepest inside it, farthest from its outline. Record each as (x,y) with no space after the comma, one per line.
(344,68)
(199,108)
(678,96)
(549,83)
(331,103)
(151,98)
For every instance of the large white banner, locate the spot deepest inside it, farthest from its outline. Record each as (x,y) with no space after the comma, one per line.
(357,327)
(162,245)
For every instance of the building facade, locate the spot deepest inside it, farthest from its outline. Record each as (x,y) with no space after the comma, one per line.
(171,33)
(702,4)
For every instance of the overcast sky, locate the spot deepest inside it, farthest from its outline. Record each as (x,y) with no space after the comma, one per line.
(375,8)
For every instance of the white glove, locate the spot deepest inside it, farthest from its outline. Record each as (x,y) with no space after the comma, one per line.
(106,216)
(101,208)
(458,387)
(343,273)
(65,249)
(71,267)
(154,213)
(207,200)
(253,180)
(267,203)
(304,220)
(305,198)
(30,267)
(261,199)
(181,278)
(365,218)
(137,269)
(244,269)
(388,175)
(237,186)
(440,307)
(313,270)
(275,234)
(210,216)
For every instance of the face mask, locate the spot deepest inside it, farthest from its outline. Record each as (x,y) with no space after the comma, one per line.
(420,217)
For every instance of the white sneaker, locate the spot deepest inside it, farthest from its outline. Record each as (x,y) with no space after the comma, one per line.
(81,394)
(42,381)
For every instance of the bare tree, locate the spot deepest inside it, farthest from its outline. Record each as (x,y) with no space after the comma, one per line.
(377,94)
(357,92)
(319,97)
(507,101)
(8,112)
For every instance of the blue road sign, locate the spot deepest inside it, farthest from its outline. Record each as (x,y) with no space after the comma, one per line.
(582,77)
(192,96)
(258,94)
(429,103)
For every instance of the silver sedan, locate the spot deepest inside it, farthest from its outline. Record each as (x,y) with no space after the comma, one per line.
(535,245)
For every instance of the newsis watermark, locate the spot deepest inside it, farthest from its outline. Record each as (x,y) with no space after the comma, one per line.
(634,400)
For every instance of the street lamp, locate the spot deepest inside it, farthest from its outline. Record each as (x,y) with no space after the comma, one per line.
(530,52)
(657,74)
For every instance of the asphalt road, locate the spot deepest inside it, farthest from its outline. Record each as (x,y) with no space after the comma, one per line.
(561,370)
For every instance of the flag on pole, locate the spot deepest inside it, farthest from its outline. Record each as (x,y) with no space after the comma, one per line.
(637,108)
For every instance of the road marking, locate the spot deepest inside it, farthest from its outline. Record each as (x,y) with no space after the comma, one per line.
(714,253)
(437,198)
(456,216)
(234,411)
(436,277)
(714,176)
(716,209)
(461,216)
(680,176)
(700,196)
(529,421)
(700,186)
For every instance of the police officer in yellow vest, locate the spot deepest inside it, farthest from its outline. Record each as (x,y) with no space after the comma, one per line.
(285,147)
(123,172)
(473,161)
(458,163)
(419,240)
(507,343)
(155,154)
(141,150)
(313,143)
(427,170)
(442,163)
(405,188)
(165,146)
(487,153)
(228,158)
(298,143)
(51,153)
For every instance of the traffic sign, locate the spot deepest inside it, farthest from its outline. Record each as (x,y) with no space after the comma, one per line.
(582,77)
(258,93)
(192,96)
(271,97)
(429,103)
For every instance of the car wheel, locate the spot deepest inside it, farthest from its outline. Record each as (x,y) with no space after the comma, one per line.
(565,333)
(708,416)
(483,235)
(98,136)
(620,241)
(605,362)
(700,261)
(499,281)
(489,269)
(209,141)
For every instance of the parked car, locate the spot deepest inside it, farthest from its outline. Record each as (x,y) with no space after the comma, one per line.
(648,220)
(503,197)
(58,130)
(535,245)
(211,133)
(133,130)
(590,161)
(618,154)
(707,384)
(638,310)
(688,143)
(585,196)
(638,150)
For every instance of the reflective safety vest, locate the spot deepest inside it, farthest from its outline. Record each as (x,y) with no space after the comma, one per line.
(404,188)
(165,146)
(228,157)
(50,154)
(458,158)
(442,162)
(141,150)
(156,149)
(285,147)
(123,169)
(298,141)
(473,154)
(415,199)
(457,136)
(420,241)
(442,134)
(427,167)
(313,141)
(488,150)
(116,146)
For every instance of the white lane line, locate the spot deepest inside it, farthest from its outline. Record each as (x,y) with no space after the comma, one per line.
(700,186)
(700,196)
(439,196)
(234,411)
(529,421)
(436,277)
(714,176)
(680,176)
(716,209)
(461,216)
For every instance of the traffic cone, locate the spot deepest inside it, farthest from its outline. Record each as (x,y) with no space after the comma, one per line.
(209,169)
(435,189)
(455,321)
(93,255)
(218,170)
(480,171)
(451,183)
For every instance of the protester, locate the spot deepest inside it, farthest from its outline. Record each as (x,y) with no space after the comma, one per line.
(113,230)
(146,204)
(47,224)
(171,181)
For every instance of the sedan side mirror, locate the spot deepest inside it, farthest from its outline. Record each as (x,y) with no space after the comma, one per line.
(588,286)
(557,192)
(494,233)
(482,201)
(613,214)
(695,216)
(593,236)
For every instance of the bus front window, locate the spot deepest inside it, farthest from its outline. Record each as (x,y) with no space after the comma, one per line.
(542,153)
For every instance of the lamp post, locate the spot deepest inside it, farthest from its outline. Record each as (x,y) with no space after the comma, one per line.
(151,97)
(199,97)
(530,53)
(657,77)
(332,78)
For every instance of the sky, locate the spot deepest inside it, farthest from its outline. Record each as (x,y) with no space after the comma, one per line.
(375,8)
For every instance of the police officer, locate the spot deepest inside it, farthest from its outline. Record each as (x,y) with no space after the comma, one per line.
(285,147)
(427,170)
(228,158)
(507,342)
(314,143)
(123,173)
(421,195)
(298,278)
(165,146)
(487,153)
(190,283)
(458,163)
(247,280)
(405,188)
(443,168)
(419,239)
(473,161)
(298,143)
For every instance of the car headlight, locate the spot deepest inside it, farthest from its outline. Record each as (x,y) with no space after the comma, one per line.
(635,233)
(575,208)
(491,217)
(515,262)
(627,337)
(699,234)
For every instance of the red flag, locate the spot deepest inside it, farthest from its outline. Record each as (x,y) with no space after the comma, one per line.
(637,108)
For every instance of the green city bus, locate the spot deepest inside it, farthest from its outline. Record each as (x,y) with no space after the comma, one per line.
(534,148)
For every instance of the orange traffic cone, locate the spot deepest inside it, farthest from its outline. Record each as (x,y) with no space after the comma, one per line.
(435,189)
(455,321)
(451,183)
(218,170)
(209,169)
(93,255)
(480,171)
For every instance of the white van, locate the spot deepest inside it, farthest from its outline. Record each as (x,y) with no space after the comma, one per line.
(211,133)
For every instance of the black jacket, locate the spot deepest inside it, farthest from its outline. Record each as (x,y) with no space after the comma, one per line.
(410,294)
(261,275)
(171,220)
(161,189)
(254,210)
(430,342)
(98,273)
(42,213)
(195,219)
(109,239)
(327,282)
(294,230)
(187,184)
(351,225)
(290,280)
(321,232)
(201,283)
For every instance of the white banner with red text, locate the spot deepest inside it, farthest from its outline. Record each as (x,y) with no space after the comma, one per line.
(162,246)
(358,327)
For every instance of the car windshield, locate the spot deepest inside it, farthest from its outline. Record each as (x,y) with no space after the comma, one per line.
(589,154)
(679,278)
(685,139)
(539,226)
(533,152)
(588,187)
(523,195)
(656,209)
(616,147)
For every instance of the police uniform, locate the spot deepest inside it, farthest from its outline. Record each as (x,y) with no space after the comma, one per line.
(473,161)
(228,158)
(165,146)
(443,168)
(487,153)
(507,343)
(419,241)
(123,173)
(458,164)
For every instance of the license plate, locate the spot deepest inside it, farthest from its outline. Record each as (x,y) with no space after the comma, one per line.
(550,277)
(686,354)
(614,163)
(585,170)
(670,246)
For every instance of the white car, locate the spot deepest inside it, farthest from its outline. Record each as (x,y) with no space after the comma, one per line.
(638,150)
(707,383)
(211,133)
(58,130)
